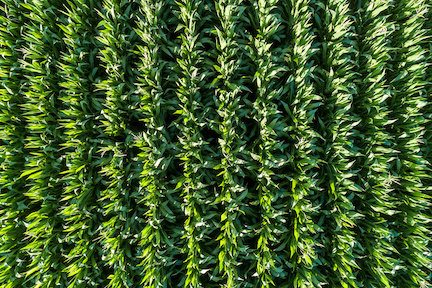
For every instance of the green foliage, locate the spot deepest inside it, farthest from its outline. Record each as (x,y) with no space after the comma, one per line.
(225,143)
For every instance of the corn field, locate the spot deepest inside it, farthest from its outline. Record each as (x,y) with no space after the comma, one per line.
(215,143)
